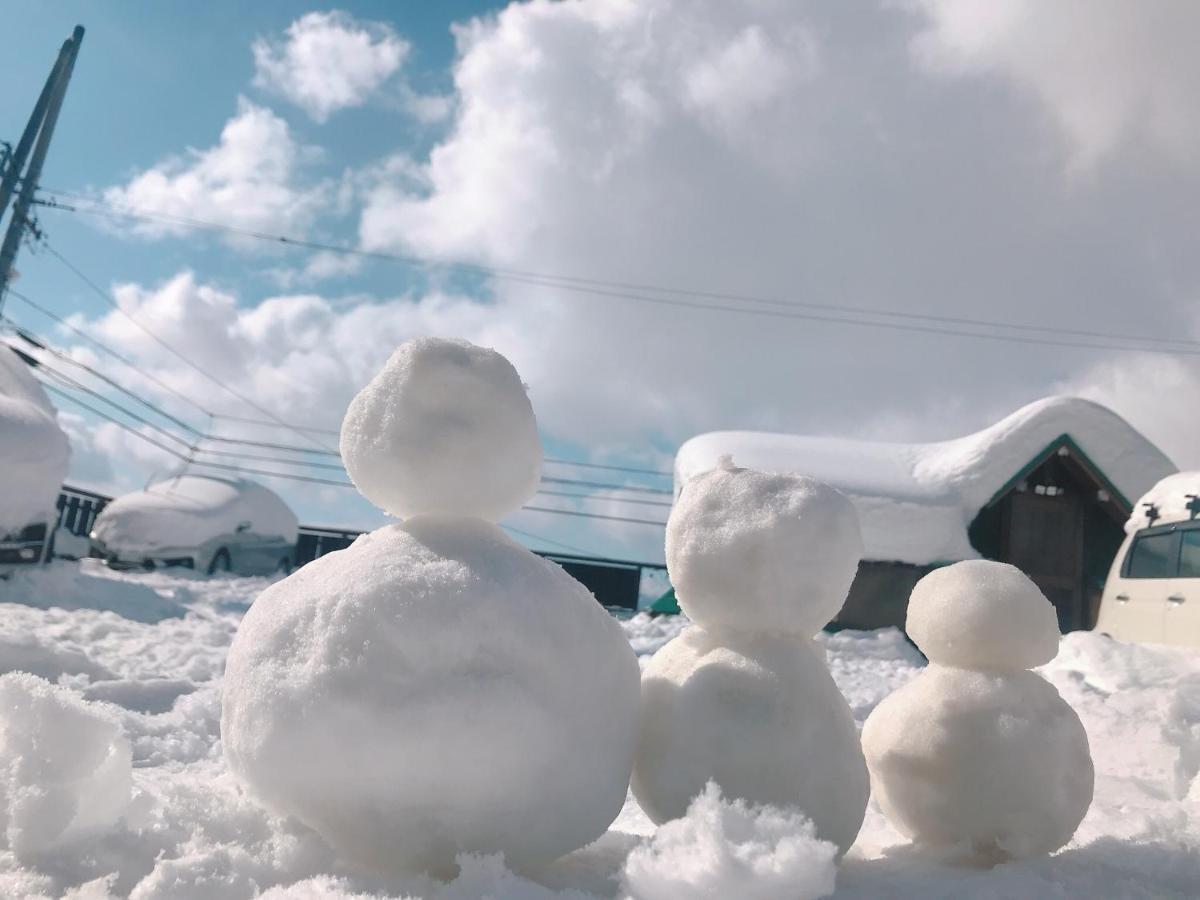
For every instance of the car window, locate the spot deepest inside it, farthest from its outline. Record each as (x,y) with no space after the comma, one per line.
(1153,556)
(1189,555)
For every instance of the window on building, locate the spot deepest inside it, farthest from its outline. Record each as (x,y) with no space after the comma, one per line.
(1154,556)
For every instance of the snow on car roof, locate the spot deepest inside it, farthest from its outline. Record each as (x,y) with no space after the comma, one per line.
(1173,498)
(916,501)
(34,451)
(188,510)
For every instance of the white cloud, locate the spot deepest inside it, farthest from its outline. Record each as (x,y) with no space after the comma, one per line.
(1106,70)
(329,61)
(254,178)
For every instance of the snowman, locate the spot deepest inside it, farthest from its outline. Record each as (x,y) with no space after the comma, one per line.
(435,688)
(977,755)
(743,696)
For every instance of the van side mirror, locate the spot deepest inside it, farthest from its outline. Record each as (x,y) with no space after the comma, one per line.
(243,526)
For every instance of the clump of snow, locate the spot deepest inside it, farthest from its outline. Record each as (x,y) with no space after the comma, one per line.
(1175,499)
(916,501)
(34,452)
(446,427)
(758,714)
(728,849)
(187,510)
(976,754)
(982,615)
(433,689)
(65,766)
(763,552)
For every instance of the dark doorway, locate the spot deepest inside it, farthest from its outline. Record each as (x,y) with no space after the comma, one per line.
(1061,524)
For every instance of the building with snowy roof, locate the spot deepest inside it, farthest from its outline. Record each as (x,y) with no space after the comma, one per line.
(1047,489)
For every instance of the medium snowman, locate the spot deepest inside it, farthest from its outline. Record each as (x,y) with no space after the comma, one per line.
(743,697)
(977,755)
(435,688)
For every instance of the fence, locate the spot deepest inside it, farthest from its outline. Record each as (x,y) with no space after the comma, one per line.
(615,583)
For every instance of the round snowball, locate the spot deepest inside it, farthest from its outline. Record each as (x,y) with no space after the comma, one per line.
(434,689)
(982,615)
(994,763)
(758,714)
(763,552)
(446,427)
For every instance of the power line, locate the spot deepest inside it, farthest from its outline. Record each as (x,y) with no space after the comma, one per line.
(636,488)
(621,290)
(587,515)
(591,465)
(598,498)
(543,539)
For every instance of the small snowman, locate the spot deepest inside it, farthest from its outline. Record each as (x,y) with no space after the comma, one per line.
(743,696)
(435,688)
(977,755)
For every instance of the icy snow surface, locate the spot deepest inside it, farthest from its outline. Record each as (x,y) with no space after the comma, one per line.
(446,427)
(915,501)
(1170,497)
(188,510)
(190,832)
(34,453)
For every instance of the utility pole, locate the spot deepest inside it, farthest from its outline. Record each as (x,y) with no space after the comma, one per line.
(37,135)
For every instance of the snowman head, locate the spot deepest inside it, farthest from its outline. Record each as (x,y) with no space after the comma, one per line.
(762,552)
(980,614)
(446,428)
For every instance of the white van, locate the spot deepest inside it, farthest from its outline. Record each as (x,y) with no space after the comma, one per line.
(1153,590)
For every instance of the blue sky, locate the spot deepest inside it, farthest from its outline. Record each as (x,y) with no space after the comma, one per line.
(875,174)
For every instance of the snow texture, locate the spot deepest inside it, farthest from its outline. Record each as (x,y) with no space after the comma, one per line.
(727,849)
(65,766)
(446,427)
(758,714)
(186,511)
(1171,497)
(977,755)
(34,452)
(916,501)
(978,614)
(762,552)
(434,689)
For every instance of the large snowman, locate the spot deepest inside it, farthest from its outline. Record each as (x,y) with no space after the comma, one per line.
(743,696)
(435,688)
(977,755)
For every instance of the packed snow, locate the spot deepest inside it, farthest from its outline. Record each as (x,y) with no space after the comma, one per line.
(916,501)
(977,756)
(436,689)
(1175,499)
(188,510)
(191,831)
(742,697)
(34,453)
(446,427)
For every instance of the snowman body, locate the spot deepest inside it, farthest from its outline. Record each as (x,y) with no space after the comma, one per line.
(743,696)
(435,688)
(977,754)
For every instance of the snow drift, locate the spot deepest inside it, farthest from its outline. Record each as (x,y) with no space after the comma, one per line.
(34,452)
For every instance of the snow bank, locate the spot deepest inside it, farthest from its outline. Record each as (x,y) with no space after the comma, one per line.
(65,766)
(188,510)
(727,849)
(915,501)
(1171,498)
(34,452)
(446,427)
(434,689)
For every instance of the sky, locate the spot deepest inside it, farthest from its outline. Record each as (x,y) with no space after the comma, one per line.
(674,217)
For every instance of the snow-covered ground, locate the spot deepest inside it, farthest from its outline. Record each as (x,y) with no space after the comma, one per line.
(152,647)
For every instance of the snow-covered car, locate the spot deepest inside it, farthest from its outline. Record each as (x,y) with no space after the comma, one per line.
(34,455)
(1153,590)
(205,522)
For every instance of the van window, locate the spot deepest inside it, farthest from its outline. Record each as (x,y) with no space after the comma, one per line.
(1154,556)
(1189,555)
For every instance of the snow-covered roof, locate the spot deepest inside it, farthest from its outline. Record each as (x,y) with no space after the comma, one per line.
(1174,499)
(188,510)
(916,501)
(34,452)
